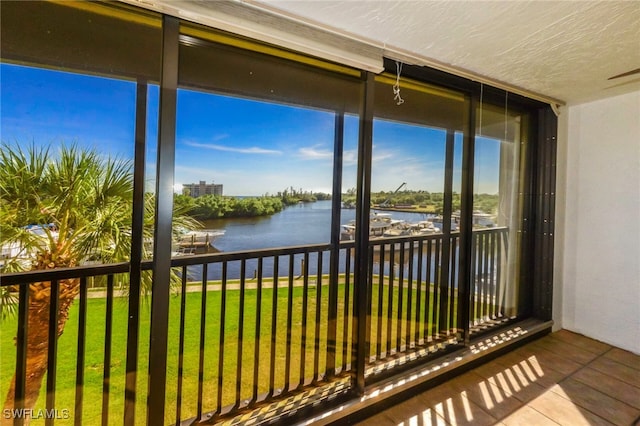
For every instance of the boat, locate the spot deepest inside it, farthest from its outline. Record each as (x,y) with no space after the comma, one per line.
(197,241)
(379,224)
(479,219)
(382,225)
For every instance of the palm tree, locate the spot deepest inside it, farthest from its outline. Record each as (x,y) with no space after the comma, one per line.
(82,203)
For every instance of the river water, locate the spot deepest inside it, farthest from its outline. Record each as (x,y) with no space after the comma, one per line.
(301,224)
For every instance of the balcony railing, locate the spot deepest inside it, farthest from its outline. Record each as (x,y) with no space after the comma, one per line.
(252,328)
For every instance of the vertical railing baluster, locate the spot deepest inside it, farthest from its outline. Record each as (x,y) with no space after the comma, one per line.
(316,345)
(367,345)
(243,272)
(473,282)
(492,273)
(332,316)
(203,322)
(487,293)
(21,350)
(347,318)
(106,377)
(480,279)
(478,262)
(80,352)
(485,276)
(436,292)
(305,307)
(499,290)
(256,349)
(428,294)
(274,327)
(380,303)
(223,318)
(183,309)
(419,293)
(392,268)
(400,297)
(52,352)
(287,362)
(407,330)
(454,303)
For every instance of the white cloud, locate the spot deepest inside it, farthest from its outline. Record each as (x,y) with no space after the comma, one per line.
(249,150)
(315,153)
(350,157)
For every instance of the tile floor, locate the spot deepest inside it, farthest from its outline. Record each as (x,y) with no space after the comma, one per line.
(562,379)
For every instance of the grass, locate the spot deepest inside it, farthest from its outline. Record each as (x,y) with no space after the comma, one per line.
(94,351)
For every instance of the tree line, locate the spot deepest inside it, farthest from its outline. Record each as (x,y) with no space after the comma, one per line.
(217,206)
(427,201)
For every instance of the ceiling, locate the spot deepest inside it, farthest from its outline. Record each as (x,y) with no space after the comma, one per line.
(561,49)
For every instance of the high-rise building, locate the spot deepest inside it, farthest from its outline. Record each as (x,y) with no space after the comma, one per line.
(203,188)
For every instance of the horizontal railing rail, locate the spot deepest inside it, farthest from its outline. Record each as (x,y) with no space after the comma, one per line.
(27,277)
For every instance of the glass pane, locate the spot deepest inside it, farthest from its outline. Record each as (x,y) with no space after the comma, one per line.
(70,73)
(69,101)
(497,215)
(254,167)
(415,190)
(258,174)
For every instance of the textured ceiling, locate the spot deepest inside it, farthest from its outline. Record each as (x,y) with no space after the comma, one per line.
(562,49)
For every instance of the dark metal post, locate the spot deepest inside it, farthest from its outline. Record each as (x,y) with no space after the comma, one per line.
(163,219)
(446,235)
(334,261)
(80,355)
(21,351)
(466,222)
(544,202)
(52,352)
(361,268)
(137,225)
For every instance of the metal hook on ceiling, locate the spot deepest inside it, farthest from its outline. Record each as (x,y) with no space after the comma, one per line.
(396,87)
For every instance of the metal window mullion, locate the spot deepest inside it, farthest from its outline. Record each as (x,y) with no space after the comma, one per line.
(363,190)
(336,204)
(137,240)
(466,220)
(163,218)
(446,234)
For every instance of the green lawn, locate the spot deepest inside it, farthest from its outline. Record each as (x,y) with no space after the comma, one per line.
(94,352)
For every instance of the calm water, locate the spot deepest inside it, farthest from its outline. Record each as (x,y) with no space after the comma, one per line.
(307,223)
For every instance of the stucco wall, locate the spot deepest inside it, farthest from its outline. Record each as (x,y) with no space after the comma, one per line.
(597,275)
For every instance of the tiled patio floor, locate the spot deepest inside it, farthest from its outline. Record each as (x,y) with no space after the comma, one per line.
(563,378)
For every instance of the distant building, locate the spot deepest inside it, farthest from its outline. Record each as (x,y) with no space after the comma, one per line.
(203,188)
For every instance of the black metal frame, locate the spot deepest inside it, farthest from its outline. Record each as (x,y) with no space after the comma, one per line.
(363,197)
(163,219)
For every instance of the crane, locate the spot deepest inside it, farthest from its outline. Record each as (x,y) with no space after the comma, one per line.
(386,202)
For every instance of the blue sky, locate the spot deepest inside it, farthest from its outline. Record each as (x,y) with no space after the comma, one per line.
(250,147)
